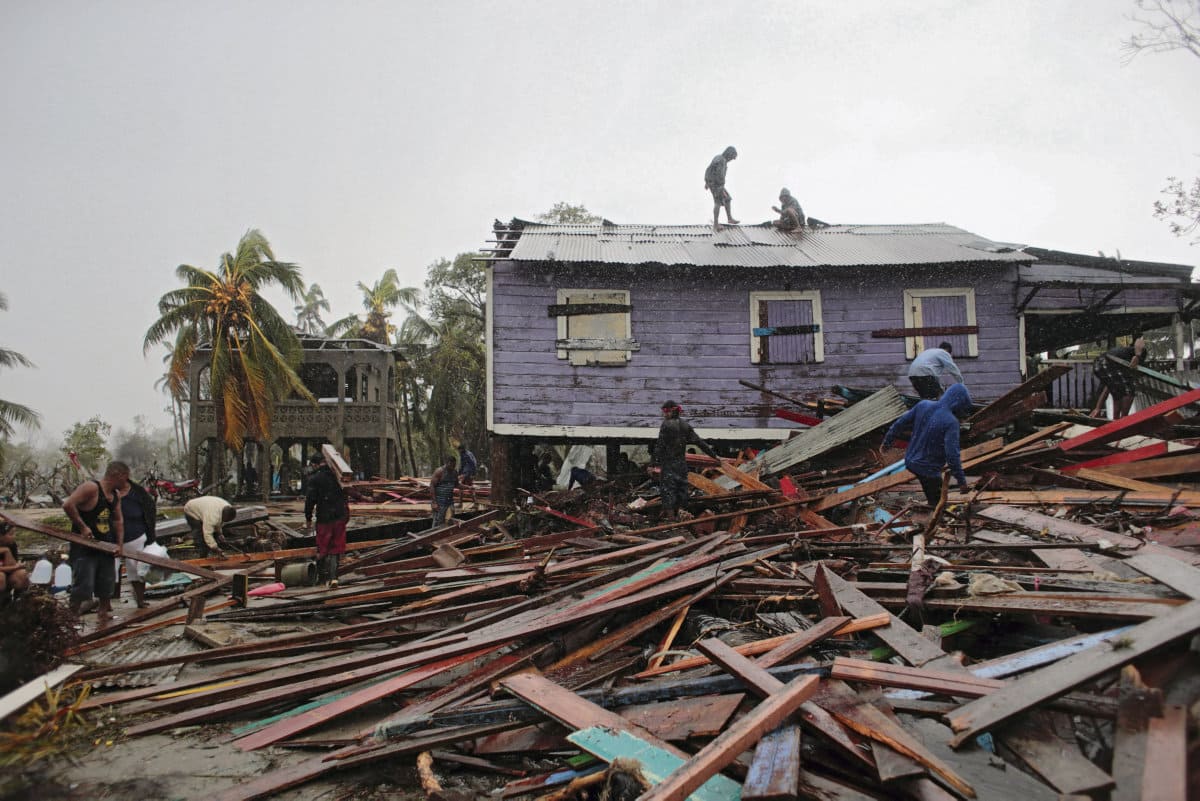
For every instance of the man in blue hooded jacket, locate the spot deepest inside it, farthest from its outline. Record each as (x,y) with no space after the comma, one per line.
(934,440)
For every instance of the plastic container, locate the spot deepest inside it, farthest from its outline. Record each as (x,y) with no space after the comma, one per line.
(43,572)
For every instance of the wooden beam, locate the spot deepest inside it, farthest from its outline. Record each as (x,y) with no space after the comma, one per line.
(1156,468)
(109,548)
(743,733)
(774,773)
(985,713)
(576,309)
(1120,428)
(35,688)
(926,331)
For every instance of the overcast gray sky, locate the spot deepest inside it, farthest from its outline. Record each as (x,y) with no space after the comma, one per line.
(366,135)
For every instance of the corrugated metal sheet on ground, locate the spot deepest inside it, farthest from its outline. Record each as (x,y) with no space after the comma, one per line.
(759,246)
(141,649)
(879,409)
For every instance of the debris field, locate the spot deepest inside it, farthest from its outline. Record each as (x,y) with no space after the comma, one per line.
(811,629)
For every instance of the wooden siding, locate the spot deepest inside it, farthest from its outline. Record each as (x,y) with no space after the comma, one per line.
(693,325)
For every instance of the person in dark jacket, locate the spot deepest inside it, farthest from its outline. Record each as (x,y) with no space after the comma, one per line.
(934,442)
(140,512)
(467,466)
(1114,381)
(670,456)
(327,499)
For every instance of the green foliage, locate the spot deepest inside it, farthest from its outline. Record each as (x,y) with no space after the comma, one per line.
(13,414)
(89,441)
(254,351)
(566,213)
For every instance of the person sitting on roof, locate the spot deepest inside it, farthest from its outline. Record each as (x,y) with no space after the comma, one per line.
(791,216)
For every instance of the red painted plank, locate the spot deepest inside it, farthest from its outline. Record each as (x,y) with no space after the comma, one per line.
(1118,428)
(1124,457)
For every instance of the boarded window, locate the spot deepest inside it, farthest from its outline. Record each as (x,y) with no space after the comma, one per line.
(952,307)
(786,328)
(603,338)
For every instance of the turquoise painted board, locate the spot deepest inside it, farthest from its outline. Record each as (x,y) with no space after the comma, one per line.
(657,764)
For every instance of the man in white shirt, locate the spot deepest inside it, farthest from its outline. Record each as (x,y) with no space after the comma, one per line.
(207,515)
(927,369)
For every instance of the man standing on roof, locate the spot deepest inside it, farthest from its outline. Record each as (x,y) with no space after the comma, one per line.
(934,443)
(1114,381)
(791,216)
(927,369)
(670,455)
(326,497)
(714,181)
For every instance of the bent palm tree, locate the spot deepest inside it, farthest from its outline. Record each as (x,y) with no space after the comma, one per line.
(378,301)
(14,414)
(254,350)
(308,310)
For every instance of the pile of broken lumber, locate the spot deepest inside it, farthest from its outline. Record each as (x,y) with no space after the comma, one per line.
(772,646)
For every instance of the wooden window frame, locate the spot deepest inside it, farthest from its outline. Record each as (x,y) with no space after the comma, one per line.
(565,296)
(813,296)
(913,319)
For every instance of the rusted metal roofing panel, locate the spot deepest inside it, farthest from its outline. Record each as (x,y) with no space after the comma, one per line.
(758,246)
(141,649)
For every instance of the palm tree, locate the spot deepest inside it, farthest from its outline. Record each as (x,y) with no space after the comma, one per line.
(308,311)
(14,414)
(378,301)
(254,350)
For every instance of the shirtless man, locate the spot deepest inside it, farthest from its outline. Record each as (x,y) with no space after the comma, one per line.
(94,509)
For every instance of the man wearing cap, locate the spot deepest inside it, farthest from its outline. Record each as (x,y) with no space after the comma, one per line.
(670,456)
(714,181)
(326,497)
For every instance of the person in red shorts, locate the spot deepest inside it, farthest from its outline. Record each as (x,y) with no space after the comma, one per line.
(327,498)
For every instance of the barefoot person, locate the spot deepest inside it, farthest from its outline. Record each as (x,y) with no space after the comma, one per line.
(94,509)
(714,181)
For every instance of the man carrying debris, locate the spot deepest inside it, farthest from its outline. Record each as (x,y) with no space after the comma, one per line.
(442,485)
(670,455)
(326,496)
(934,442)
(791,216)
(94,509)
(714,181)
(14,579)
(1114,381)
(467,465)
(207,516)
(927,369)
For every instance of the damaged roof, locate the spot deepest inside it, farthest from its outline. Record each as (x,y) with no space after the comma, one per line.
(751,246)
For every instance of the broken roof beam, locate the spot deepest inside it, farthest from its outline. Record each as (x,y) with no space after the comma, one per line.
(1125,425)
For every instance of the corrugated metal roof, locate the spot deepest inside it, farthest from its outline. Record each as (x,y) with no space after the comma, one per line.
(758,246)
(141,649)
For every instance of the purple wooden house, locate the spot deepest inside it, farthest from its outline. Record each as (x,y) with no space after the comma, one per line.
(591,327)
